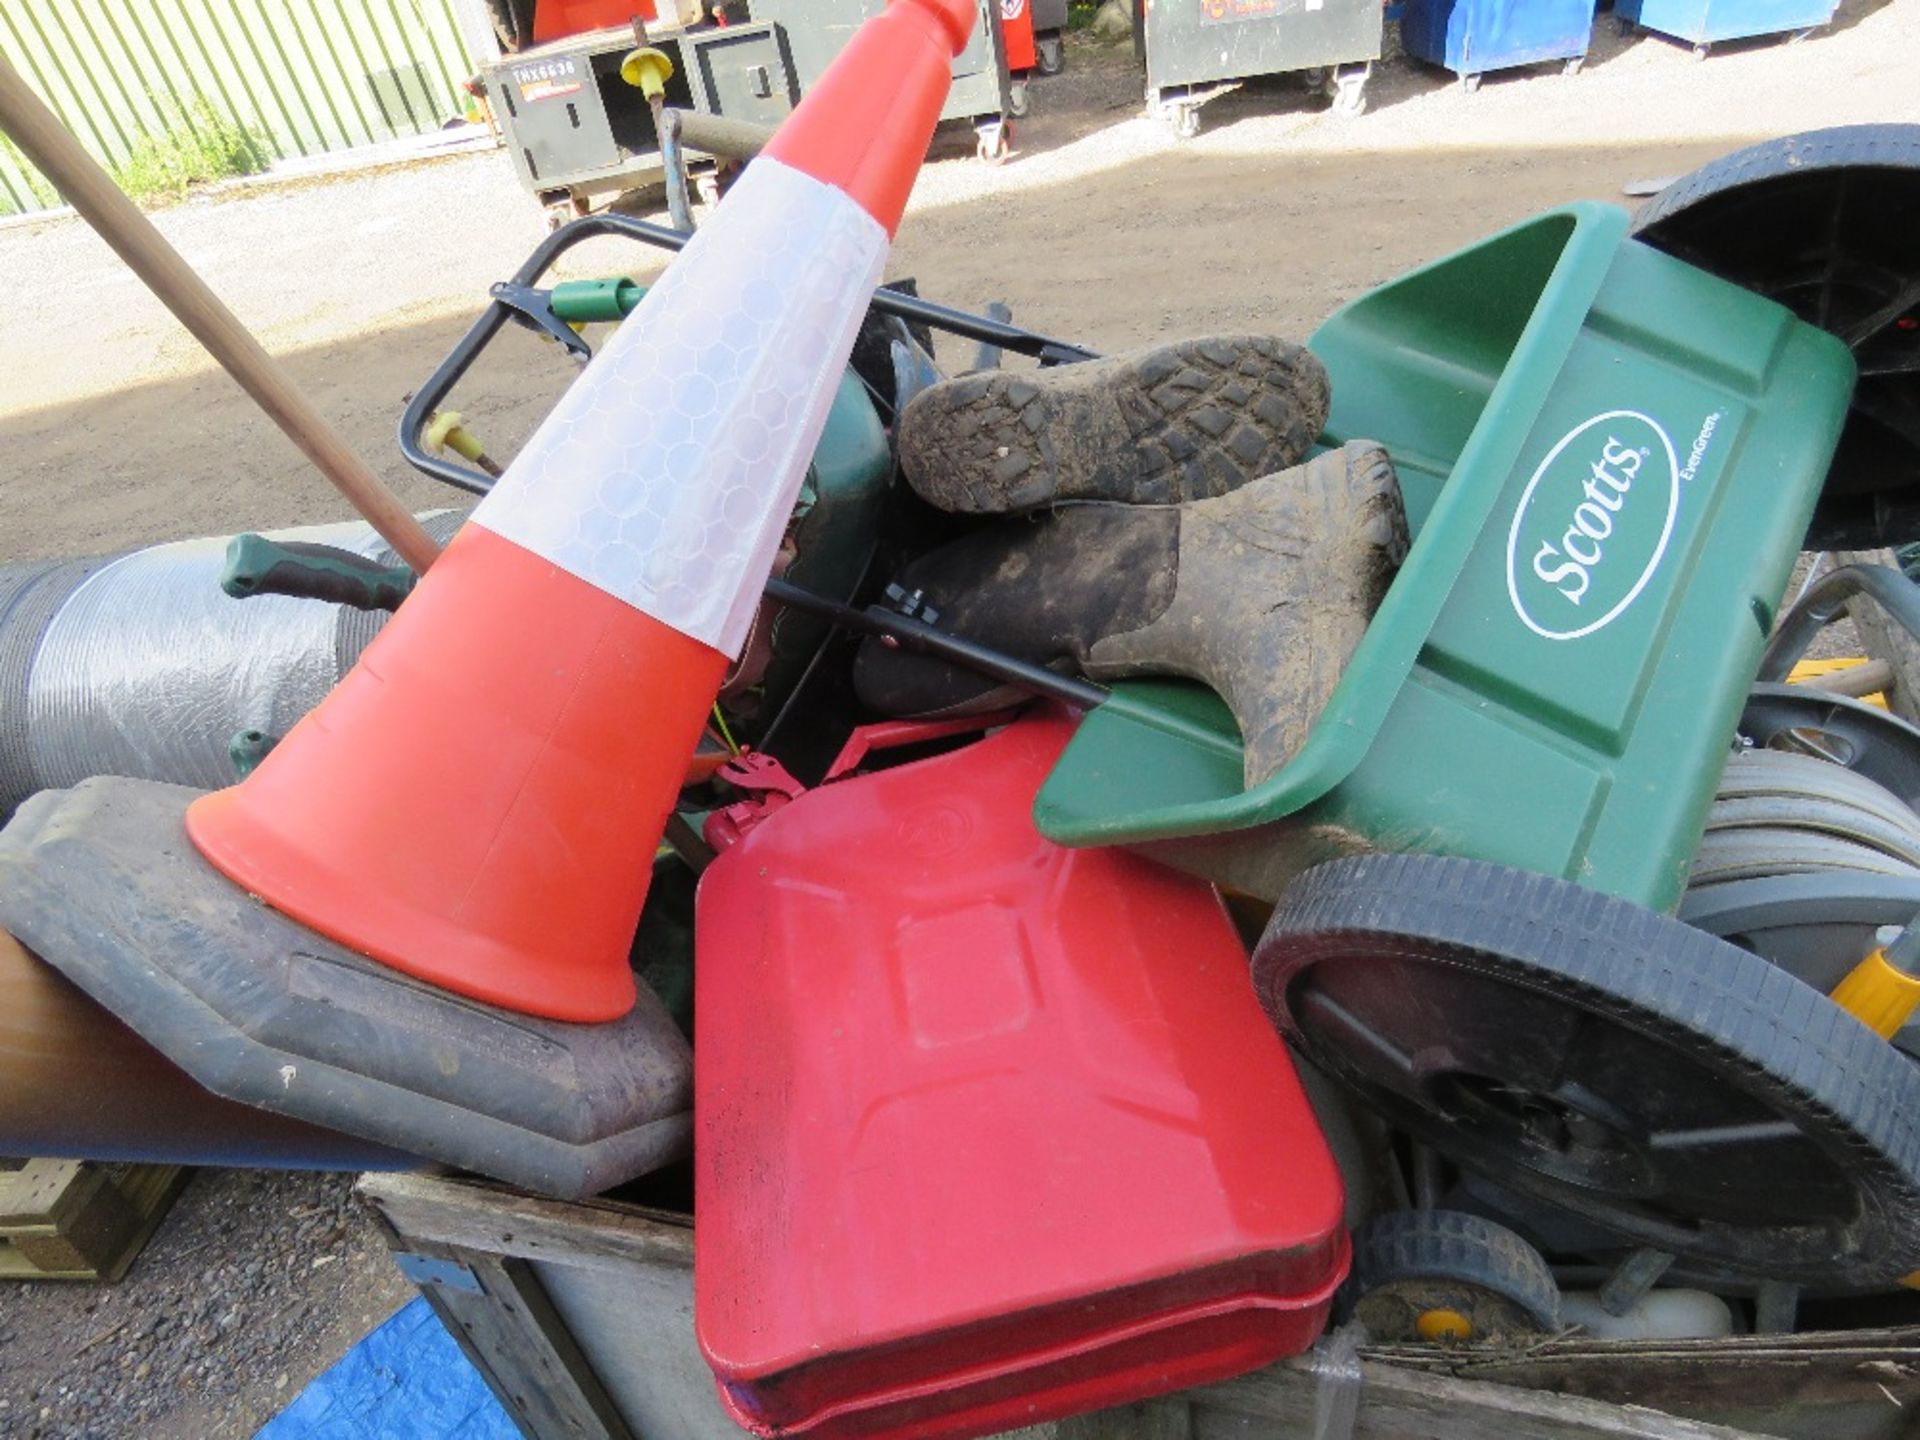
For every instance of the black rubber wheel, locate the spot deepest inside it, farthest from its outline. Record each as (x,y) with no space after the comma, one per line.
(1442,1275)
(1606,1059)
(1824,223)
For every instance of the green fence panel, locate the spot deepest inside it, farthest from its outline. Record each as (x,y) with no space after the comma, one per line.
(305,76)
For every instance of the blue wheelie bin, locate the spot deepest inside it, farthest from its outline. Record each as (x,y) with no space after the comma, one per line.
(1471,37)
(1704,22)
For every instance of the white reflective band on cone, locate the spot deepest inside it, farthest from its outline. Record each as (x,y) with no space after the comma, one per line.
(667,474)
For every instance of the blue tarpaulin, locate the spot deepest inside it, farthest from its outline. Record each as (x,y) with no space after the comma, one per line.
(405,1381)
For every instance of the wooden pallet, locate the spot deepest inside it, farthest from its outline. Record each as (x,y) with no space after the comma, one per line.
(79,1220)
(580,1318)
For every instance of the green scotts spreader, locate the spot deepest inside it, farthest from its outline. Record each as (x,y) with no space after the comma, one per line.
(1609,459)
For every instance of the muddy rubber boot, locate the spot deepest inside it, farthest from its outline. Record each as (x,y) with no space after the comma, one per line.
(1261,594)
(1184,421)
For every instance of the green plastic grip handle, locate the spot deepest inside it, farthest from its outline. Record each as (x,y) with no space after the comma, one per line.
(248,748)
(259,566)
(582,302)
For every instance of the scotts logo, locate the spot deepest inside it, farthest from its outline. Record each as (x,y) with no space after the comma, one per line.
(1592,525)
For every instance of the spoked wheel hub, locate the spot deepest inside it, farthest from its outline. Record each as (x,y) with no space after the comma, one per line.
(1572,1132)
(1614,1062)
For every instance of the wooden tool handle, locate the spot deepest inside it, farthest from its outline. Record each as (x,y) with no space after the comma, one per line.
(88,188)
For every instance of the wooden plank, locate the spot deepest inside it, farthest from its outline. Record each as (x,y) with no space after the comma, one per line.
(476,1215)
(78,1220)
(635,1327)
(1859,1385)
(533,1362)
(1170,1418)
(619,1280)
(507,1327)
(1837,677)
(1398,1404)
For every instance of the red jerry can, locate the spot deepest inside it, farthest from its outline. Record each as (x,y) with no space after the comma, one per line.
(1016,27)
(988,1131)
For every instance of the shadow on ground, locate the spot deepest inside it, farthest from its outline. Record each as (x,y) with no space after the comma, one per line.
(1172,244)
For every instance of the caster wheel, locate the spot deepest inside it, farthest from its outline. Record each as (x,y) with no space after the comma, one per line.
(707,187)
(1017,101)
(995,143)
(1449,1279)
(1186,121)
(1572,67)
(1051,53)
(566,211)
(1318,80)
(1350,98)
(1700,51)
(1470,83)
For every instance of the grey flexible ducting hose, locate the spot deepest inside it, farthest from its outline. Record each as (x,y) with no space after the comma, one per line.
(137,664)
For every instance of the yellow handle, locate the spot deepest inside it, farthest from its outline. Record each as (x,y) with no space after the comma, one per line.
(648,71)
(447,427)
(1878,994)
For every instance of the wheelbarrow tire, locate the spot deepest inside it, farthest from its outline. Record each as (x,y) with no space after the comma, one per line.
(1817,222)
(1608,1060)
(1446,1275)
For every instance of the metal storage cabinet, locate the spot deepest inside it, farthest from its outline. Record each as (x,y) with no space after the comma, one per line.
(1196,50)
(1471,37)
(573,127)
(1703,22)
(817,29)
(576,130)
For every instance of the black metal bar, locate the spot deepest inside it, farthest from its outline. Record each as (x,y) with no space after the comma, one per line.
(1827,600)
(429,396)
(924,639)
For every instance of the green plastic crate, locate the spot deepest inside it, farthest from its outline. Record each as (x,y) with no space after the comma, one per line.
(1554,677)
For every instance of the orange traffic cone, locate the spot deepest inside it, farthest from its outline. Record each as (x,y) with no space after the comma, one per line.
(478,802)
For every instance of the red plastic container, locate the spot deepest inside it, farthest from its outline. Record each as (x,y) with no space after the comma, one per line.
(1016,26)
(557,19)
(988,1131)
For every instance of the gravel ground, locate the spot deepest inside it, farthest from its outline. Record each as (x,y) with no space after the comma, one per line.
(254,1284)
(1102,228)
